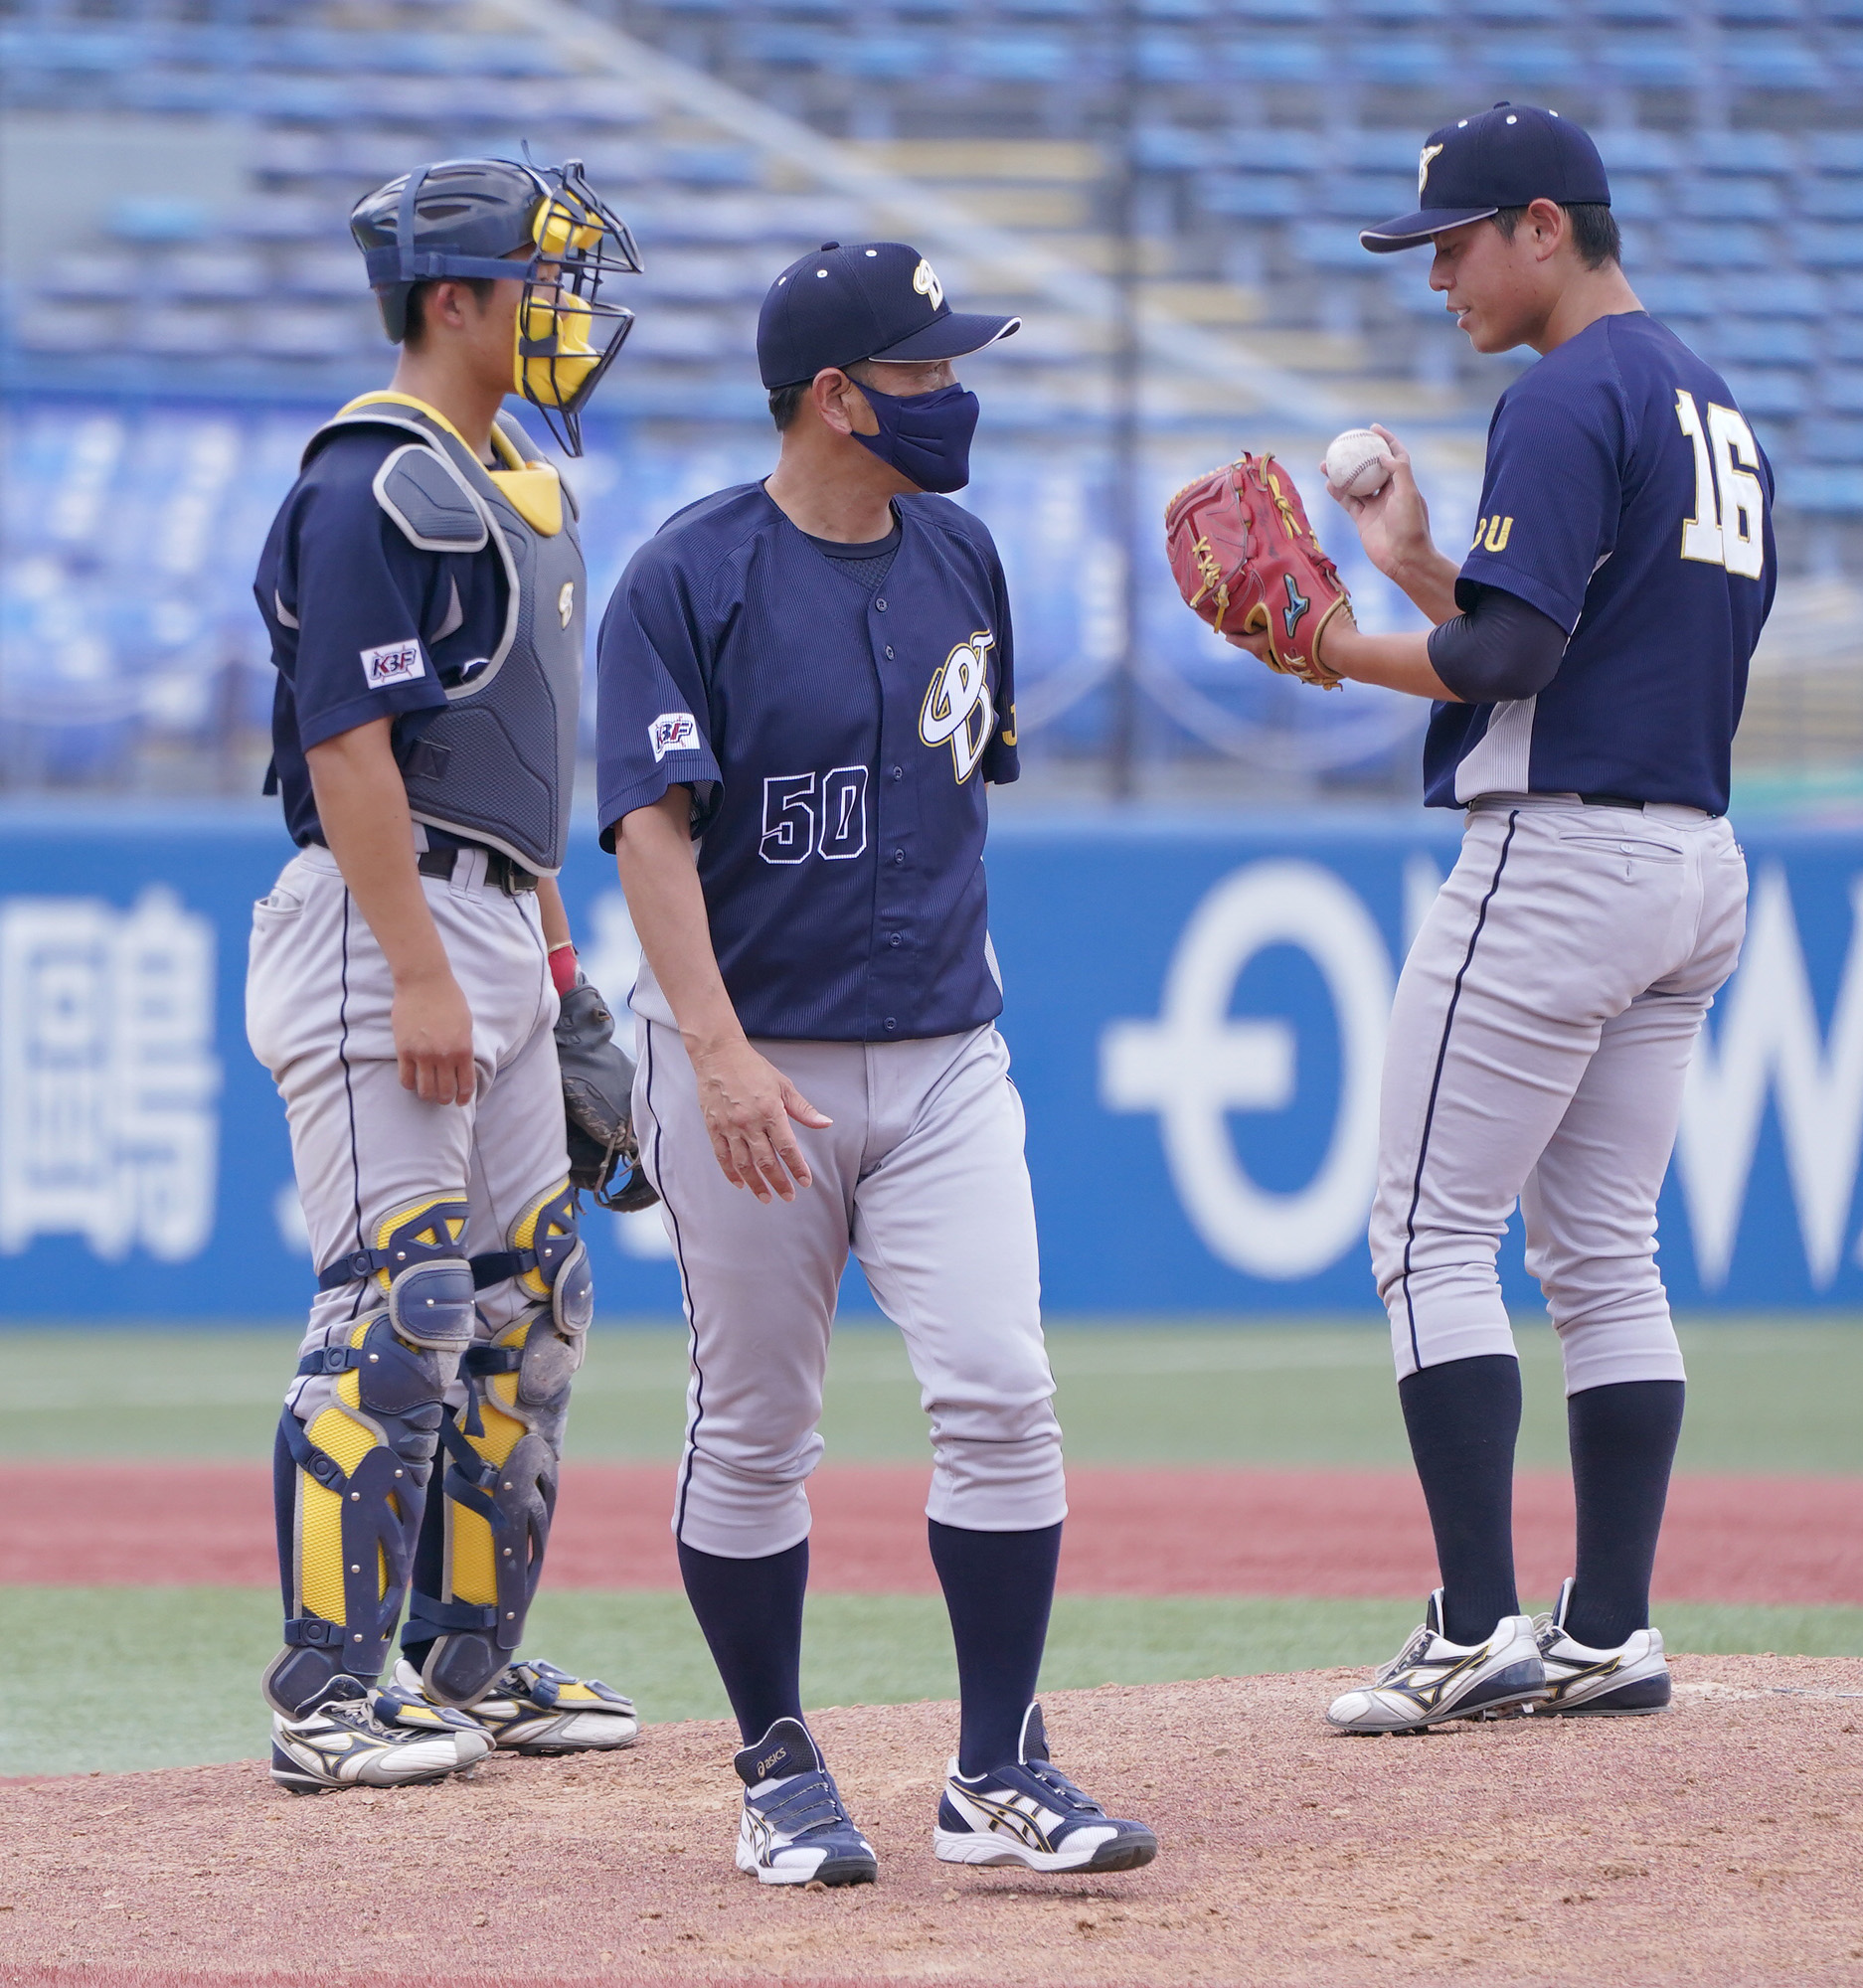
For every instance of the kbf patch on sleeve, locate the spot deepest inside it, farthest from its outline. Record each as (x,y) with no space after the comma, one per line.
(392,663)
(672,732)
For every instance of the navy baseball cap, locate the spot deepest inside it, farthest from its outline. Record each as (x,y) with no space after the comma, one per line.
(1509,156)
(869,300)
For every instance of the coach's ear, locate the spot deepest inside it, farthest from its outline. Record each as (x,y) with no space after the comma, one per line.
(840,403)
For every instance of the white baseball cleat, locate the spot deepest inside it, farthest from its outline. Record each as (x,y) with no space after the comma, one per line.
(795,1828)
(1028,1812)
(1432,1680)
(1609,1684)
(534,1708)
(351,1736)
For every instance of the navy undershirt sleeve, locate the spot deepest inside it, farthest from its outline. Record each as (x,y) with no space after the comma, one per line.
(1499,649)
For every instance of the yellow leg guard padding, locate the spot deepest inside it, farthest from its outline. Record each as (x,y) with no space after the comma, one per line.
(320,1511)
(447,1228)
(524,1236)
(472,1574)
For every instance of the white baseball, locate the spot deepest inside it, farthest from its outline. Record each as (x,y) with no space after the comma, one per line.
(1358,463)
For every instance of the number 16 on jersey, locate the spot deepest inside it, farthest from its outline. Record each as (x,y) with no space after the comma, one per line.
(1729,525)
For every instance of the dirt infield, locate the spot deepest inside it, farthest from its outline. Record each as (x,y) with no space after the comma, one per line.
(1324,1533)
(1722,1843)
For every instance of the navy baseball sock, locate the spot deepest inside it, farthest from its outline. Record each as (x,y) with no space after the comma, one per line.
(1463,1418)
(1622,1440)
(751,1611)
(998,1587)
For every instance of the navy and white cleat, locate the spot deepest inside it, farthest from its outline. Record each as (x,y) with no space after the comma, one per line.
(1030,1813)
(1602,1684)
(351,1736)
(1432,1680)
(795,1828)
(534,1708)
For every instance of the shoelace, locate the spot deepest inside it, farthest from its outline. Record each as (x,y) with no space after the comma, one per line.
(1068,1796)
(811,1802)
(1411,1653)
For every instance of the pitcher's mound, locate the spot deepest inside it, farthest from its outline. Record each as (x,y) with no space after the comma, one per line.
(1719,1843)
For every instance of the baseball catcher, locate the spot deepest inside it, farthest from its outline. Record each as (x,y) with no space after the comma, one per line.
(1246,562)
(425,592)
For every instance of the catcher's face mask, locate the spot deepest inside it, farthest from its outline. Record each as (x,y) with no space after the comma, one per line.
(925,437)
(567,333)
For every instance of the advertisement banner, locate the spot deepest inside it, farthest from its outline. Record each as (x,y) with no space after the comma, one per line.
(1196,1015)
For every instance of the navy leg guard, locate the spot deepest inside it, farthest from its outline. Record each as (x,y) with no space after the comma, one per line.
(484,1551)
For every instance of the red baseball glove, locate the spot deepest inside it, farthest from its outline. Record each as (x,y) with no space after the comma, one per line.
(1245,559)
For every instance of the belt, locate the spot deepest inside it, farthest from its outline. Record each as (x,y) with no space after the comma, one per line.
(1611,801)
(510,876)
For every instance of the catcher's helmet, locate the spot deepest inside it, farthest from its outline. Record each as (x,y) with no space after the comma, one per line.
(465,217)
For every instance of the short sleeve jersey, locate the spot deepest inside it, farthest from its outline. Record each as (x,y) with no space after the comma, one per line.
(1626,498)
(363,624)
(837,737)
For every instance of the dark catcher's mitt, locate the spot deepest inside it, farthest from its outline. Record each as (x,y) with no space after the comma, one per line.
(597,1101)
(1245,559)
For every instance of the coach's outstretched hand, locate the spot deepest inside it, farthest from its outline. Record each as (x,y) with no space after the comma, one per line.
(748,1104)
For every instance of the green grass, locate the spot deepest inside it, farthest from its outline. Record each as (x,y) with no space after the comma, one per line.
(1763,1395)
(166,1677)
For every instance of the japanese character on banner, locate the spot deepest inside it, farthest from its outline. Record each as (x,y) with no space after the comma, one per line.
(109,1081)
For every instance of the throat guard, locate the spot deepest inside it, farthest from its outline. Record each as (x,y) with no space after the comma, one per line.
(498,764)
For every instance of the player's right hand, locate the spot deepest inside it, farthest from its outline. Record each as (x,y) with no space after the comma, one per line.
(748,1104)
(1393,522)
(433,1040)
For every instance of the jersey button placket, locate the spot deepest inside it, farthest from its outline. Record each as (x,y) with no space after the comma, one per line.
(892,913)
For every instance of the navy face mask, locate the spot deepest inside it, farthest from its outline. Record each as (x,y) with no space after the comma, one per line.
(925,437)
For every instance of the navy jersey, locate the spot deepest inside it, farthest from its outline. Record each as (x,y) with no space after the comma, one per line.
(363,624)
(1627,499)
(837,735)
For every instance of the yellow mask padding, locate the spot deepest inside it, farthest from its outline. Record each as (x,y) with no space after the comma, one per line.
(557,232)
(472,1564)
(560,321)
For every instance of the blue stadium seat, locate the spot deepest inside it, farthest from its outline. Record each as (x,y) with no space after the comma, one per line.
(1760,60)
(1742,153)
(1701,245)
(1780,396)
(1286,151)
(1824,491)
(1630,148)
(1372,149)
(1721,197)
(1396,10)
(1640,197)
(159,218)
(1400,60)
(1786,293)
(1845,338)
(1829,244)
(1291,11)
(1167,149)
(1835,151)
(1282,59)
(886,56)
(1832,198)
(1535,61)
(1762,341)
(1330,245)
(1661,61)
(1155,10)
(1638,13)
(1668,294)
(1835,441)
(1363,198)
(786,45)
(1840,387)
(1251,196)
(1749,11)
(218,276)
(1519,10)
(1002,58)
(1168,58)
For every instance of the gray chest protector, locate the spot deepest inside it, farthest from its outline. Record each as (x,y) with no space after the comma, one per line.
(498,764)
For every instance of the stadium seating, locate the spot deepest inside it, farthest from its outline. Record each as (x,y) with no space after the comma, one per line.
(1265,132)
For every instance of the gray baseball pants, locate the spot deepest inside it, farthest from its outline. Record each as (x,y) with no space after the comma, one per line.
(923,1177)
(1539,1043)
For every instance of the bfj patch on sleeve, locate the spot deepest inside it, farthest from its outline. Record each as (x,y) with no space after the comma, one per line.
(392,663)
(672,732)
